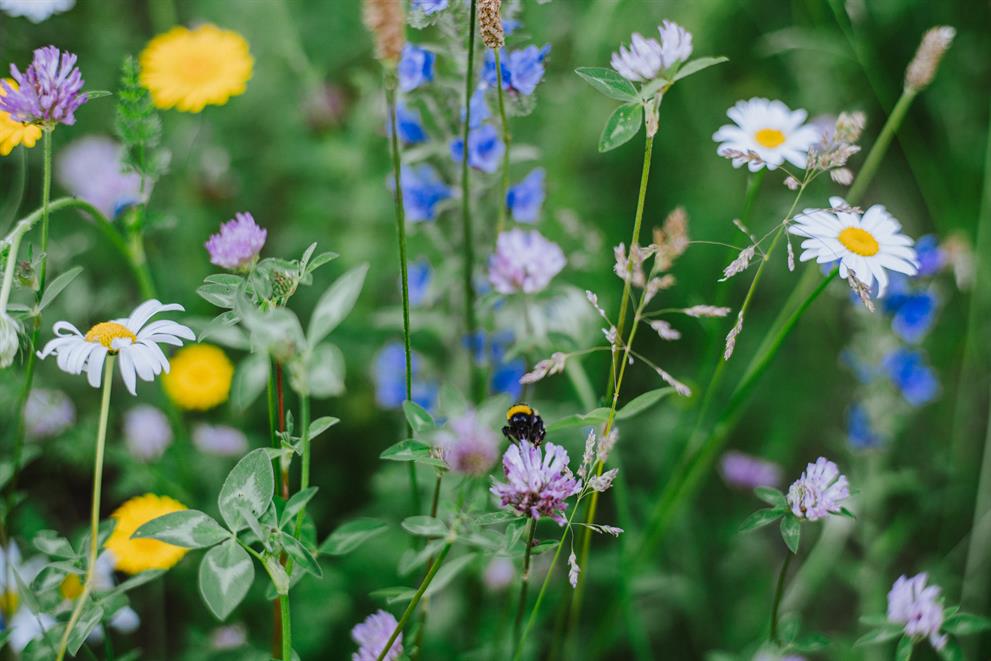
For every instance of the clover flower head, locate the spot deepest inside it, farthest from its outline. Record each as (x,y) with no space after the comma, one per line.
(744,471)
(373,633)
(918,607)
(641,61)
(35,11)
(48,92)
(90,168)
(524,261)
(219,440)
(499,573)
(538,481)
(237,244)
(819,492)
(468,446)
(676,43)
(146,432)
(47,413)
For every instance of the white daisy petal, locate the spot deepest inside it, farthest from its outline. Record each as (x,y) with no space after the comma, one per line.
(127,371)
(94,368)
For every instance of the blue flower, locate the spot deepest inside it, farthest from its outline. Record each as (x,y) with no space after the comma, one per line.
(525,199)
(479,109)
(931,257)
(506,378)
(422,191)
(419,281)
(389,374)
(522,69)
(916,381)
(859,428)
(914,317)
(409,124)
(416,67)
(485,149)
(429,6)
(509,25)
(490,350)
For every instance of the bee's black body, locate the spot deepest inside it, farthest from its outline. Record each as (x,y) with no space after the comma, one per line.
(523,423)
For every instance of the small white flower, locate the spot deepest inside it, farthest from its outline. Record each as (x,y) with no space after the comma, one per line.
(8,339)
(35,11)
(768,129)
(24,624)
(646,59)
(867,245)
(524,261)
(918,607)
(134,343)
(676,43)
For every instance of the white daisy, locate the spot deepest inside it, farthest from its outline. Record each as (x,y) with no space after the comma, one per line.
(135,344)
(35,11)
(866,246)
(769,129)
(25,625)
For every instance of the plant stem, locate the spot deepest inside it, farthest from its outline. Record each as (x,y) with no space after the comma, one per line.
(504,189)
(778,592)
(434,505)
(46,190)
(467,239)
(94,521)
(286,618)
(524,582)
(304,478)
(424,584)
(880,147)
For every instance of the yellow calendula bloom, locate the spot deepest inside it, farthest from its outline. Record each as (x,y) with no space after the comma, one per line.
(133,556)
(15,133)
(200,377)
(190,69)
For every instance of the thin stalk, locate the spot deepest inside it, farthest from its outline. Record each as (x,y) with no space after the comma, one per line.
(94,519)
(274,439)
(880,147)
(467,238)
(46,191)
(524,583)
(504,189)
(280,407)
(778,592)
(286,618)
(424,584)
(304,478)
(434,505)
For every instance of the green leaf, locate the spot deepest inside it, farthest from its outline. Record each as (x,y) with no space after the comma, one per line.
(335,304)
(608,82)
(325,371)
(590,419)
(50,543)
(791,530)
(761,518)
(220,295)
(136,581)
(904,650)
(319,261)
(349,536)
(97,94)
(302,555)
(696,65)
(320,425)
(425,526)
(965,624)
(412,450)
(250,380)
(226,574)
(623,124)
(643,402)
(296,504)
(772,496)
(250,484)
(90,617)
(418,417)
(190,529)
(810,642)
(224,331)
(492,518)
(951,651)
(56,286)
(888,631)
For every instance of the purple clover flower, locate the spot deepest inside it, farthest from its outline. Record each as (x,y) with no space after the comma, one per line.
(415,68)
(423,190)
(918,607)
(819,492)
(538,481)
(237,244)
(469,447)
(48,413)
(147,433)
(219,440)
(526,198)
(524,261)
(485,149)
(49,91)
(372,635)
(91,168)
(744,471)
(522,70)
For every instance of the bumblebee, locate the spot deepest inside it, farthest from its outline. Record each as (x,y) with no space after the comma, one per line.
(523,423)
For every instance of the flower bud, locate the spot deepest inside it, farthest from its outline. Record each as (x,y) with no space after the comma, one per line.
(922,69)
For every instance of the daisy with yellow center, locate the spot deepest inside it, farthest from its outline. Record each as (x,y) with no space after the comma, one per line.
(867,246)
(133,556)
(133,342)
(200,377)
(15,133)
(190,69)
(768,129)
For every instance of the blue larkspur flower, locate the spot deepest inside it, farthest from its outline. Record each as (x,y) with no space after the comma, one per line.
(415,68)
(522,70)
(429,7)
(526,198)
(485,149)
(423,190)
(914,317)
(914,379)
(409,124)
(389,375)
(479,109)
(859,428)
(419,280)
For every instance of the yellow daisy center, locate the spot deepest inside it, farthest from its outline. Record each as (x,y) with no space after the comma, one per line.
(134,556)
(71,587)
(106,332)
(199,377)
(9,601)
(859,241)
(769,138)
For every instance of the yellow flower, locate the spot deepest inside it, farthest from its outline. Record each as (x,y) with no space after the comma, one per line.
(189,69)
(15,133)
(200,377)
(134,556)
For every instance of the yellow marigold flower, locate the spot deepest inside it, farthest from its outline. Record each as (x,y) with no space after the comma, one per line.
(200,377)
(189,69)
(15,133)
(134,556)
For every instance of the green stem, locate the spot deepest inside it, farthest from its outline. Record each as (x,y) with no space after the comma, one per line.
(778,592)
(286,618)
(501,224)
(524,583)
(424,584)
(304,479)
(880,147)
(46,190)
(94,521)
(467,238)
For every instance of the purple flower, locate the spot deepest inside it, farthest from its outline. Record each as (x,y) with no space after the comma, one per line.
(372,636)
(415,68)
(918,607)
(146,432)
(219,440)
(468,446)
(48,92)
(819,492)
(538,481)
(524,261)
(931,257)
(48,413)
(389,375)
(499,573)
(916,381)
(485,149)
(91,168)
(423,190)
(522,70)
(747,472)
(429,7)
(419,281)
(409,124)
(859,428)
(526,198)
(237,244)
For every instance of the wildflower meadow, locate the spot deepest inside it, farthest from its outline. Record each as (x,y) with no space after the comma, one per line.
(495,330)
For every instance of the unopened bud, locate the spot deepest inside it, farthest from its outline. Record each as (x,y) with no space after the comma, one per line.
(922,69)
(490,23)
